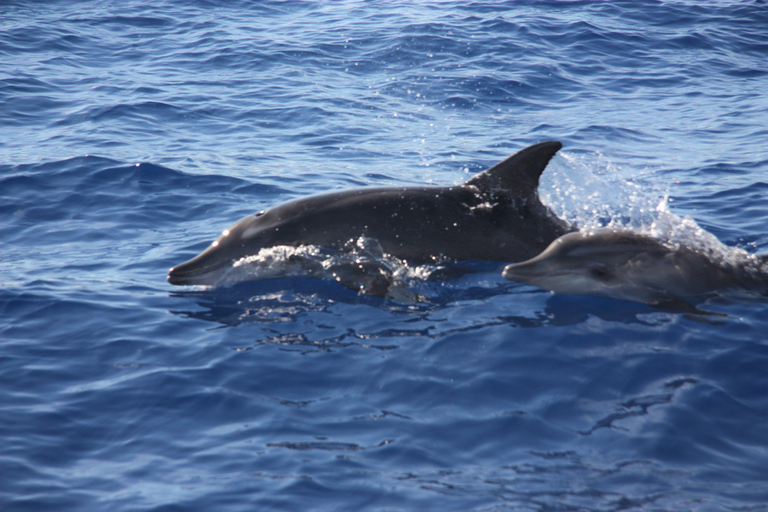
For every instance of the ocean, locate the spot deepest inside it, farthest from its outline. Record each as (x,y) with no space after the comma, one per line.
(133,133)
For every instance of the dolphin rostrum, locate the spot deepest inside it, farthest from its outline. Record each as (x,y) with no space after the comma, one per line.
(626,265)
(495,216)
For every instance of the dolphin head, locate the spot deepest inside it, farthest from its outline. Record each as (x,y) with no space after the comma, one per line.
(617,264)
(242,239)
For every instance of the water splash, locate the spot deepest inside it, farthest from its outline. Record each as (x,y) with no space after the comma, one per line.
(592,192)
(360,265)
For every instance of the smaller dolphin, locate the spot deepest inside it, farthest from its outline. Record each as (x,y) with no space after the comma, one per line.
(626,265)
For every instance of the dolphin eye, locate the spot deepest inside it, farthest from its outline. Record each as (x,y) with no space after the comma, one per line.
(259,214)
(599,272)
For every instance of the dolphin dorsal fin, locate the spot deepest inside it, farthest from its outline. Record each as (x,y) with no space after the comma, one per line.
(520,172)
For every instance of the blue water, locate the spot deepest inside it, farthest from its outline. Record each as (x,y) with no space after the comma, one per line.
(132,133)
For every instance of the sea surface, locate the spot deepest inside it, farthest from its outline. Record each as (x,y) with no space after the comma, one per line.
(132,133)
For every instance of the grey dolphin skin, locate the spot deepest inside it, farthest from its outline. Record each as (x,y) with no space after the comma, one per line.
(495,216)
(626,265)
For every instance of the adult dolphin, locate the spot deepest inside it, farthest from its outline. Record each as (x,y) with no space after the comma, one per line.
(626,265)
(495,216)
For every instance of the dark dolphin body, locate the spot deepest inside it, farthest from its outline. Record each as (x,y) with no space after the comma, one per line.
(495,216)
(626,265)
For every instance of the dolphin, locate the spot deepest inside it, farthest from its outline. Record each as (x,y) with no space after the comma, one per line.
(626,265)
(495,216)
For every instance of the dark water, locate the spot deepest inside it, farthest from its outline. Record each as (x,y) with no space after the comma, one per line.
(131,134)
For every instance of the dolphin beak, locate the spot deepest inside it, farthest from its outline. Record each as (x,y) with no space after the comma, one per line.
(200,270)
(524,271)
